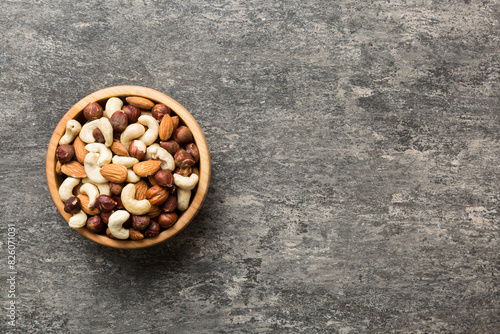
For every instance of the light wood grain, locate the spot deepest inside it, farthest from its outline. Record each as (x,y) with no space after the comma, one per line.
(199,138)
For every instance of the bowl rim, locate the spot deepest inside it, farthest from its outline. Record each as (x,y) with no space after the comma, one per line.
(204,165)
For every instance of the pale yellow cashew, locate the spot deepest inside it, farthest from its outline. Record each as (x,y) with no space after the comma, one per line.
(132,205)
(104,188)
(92,192)
(92,169)
(155,151)
(78,220)
(128,162)
(151,134)
(186,182)
(104,125)
(86,133)
(73,128)
(131,132)
(105,154)
(115,224)
(132,177)
(66,188)
(112,105)
(183,197)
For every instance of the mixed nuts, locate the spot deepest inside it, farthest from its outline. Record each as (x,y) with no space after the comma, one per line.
(129,169)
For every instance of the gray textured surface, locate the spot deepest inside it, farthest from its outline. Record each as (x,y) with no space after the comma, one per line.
(355,165)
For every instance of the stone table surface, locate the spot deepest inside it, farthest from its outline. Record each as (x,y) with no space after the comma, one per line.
(355,152)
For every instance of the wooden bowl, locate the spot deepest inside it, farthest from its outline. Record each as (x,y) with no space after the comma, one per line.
(76,112)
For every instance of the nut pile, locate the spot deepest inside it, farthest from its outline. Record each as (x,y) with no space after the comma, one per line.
(129,169)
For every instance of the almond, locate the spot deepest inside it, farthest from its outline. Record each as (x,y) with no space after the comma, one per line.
(74,169)
(154,211)
(84,201)
(166,127)
(119,149)
(115,173)
(141,188)
(175,122)
(151,180)
(146,168)
(58,167)
(80,150)
(140,102)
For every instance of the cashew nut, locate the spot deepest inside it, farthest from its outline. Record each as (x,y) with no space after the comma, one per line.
(130,133)
(78,220)
(183,197)
(86,133)
(115,224)
(104,188)
(155,151)
(186,182)
(72,130)
(151,133)
(92,169)
(67,186)
(112,105)
(105,154)
(131,204)
(128,162)
(132,177)
(92,192)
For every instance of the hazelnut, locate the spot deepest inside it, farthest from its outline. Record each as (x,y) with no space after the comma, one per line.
(170,204)
(192,149)
(98,136)
(183,135)
(65,153)
(116,188)
(108,233)
(118,200)
(132,113)
(128,223)
(153,230)
(72,205)
(183,159)
(171,146)
(135,235)
(157,195)
(92,111)
(105,203)
(164,178)
(186,171)
(160,110)
(94,224)
(119,121)
(137,149)
(165,220)
(140,222)
(105,216)
(154,212)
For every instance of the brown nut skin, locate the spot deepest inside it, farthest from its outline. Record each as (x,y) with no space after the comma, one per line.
(175,122)
(136,151)
(116,188)
(105,203)
(186,171)
(171,146)
(132,113)
(98,136)
(72,205)
(196,171)
(92,111)
(128,223)
(183,135)
(156,195)
(65,153)
(118,200)
(105,216)
(119,121)
(192,149)
(170,204)
(135,235)
(183,159)
(153,230)
(164,178)
(95,224)
(165,220)
(160,110)
(140,223)
(108,233)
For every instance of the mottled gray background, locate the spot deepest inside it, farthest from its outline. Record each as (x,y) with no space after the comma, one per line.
(355,149)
